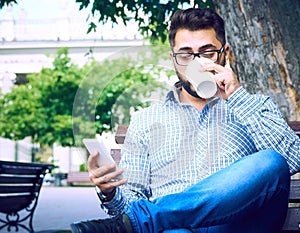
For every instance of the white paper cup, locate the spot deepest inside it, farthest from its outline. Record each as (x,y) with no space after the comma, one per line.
(202,81)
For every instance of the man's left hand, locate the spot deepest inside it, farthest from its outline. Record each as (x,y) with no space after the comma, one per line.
(225,78)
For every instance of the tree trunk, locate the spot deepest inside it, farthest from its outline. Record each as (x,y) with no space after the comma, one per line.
(264,37)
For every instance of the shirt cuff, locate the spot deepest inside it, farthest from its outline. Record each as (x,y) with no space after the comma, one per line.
(116,205)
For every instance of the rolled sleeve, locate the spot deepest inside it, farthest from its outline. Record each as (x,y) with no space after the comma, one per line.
(266,124)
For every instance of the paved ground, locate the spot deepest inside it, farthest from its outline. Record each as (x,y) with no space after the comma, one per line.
(58,207)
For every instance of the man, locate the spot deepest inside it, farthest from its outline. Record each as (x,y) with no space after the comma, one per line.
(197,165)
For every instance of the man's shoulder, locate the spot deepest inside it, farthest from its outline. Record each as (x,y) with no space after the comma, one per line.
(155,107)
(157,111)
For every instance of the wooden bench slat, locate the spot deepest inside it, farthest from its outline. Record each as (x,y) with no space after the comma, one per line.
(19,189)
(292,222)
(295,191)
(16,180)
(295,125)
(121,133)
(78,177)
(17,168)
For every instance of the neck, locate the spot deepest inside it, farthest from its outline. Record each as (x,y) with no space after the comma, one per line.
(185,97)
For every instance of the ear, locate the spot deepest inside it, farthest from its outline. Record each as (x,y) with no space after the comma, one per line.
(227,50)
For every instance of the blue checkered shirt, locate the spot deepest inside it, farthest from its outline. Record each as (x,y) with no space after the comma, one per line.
(171,145)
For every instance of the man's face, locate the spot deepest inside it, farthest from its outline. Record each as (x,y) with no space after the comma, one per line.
(195,41)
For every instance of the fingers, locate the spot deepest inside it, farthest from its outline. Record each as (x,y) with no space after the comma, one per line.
(109,186)
(227,83)
(215,68)
(106,177)
(221,81)
(225,79)
(101,171)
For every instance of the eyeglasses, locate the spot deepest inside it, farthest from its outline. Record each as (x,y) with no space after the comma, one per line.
(183,59)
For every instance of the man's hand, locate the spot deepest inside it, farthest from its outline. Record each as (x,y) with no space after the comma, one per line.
(225,78)
(103,176)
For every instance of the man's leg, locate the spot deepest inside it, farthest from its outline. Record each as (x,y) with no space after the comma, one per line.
(268,219)
(230,196)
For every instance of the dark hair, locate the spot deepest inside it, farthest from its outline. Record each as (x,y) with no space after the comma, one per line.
(194,19)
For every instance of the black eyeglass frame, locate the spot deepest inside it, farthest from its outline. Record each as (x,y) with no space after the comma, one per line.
(219,51)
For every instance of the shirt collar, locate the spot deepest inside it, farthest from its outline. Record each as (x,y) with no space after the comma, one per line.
(173,94)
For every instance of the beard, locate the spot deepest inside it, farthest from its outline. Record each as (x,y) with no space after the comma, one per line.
(187,86)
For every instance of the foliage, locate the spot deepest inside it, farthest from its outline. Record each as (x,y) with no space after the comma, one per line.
(7,2)
(42,107)
(66,101)
(82,167)
(19,111)
(152,16)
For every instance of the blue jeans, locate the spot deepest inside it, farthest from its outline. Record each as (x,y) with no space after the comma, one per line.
(251,195)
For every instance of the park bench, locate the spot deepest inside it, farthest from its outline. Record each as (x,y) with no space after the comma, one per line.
(20,185)
(292,222)
(74,178)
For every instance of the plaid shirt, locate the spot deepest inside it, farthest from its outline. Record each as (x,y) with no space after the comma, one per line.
(171,146)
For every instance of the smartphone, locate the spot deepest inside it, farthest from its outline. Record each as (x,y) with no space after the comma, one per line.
(94,145)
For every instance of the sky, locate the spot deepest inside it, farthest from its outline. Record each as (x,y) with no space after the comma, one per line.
(41,9)
(52,19)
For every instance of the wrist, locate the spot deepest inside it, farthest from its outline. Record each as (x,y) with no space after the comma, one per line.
(105,197)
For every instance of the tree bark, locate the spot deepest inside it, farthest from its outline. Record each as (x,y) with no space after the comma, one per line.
(264,37)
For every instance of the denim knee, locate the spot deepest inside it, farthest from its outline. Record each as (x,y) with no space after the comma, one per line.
(274,164)
(274,160)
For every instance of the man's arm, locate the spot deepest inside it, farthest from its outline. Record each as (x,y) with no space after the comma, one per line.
(135,163)
(265,123)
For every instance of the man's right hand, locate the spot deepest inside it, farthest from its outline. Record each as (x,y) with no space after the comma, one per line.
(103,176)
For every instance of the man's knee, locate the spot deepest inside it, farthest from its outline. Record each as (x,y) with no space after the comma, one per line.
(273,160)
(273,164)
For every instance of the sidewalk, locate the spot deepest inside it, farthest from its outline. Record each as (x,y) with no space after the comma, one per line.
(58,207)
